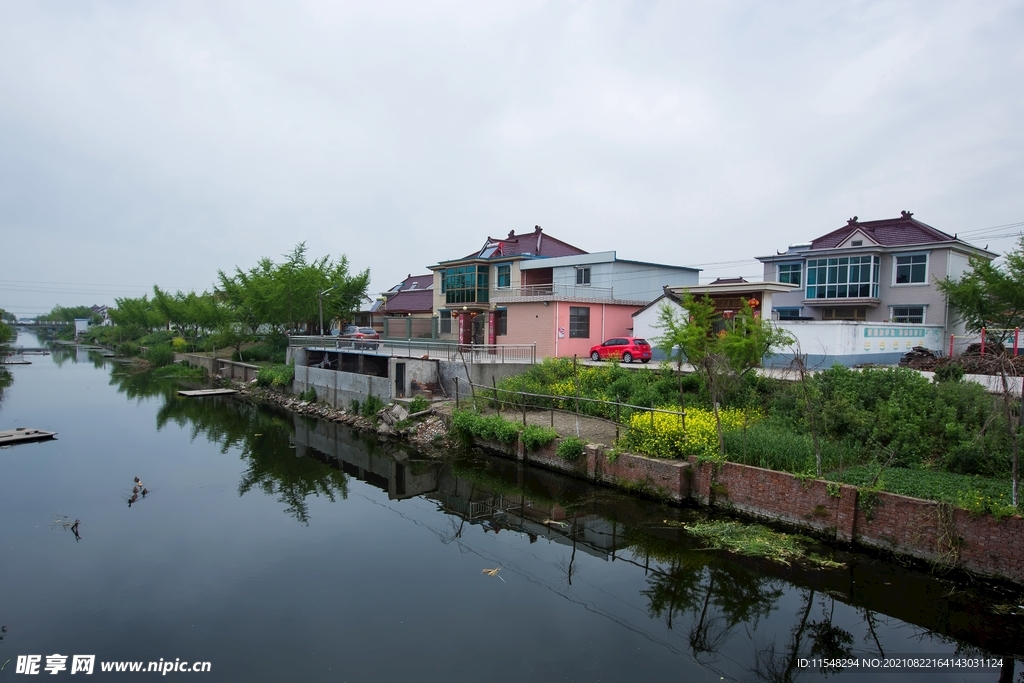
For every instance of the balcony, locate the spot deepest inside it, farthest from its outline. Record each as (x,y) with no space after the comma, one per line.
(551,292)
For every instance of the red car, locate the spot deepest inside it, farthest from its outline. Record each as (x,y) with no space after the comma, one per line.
(625,348)
(362,337)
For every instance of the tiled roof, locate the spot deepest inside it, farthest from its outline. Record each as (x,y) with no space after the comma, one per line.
(411,301)
(536,243)
(414,282)
(889,232)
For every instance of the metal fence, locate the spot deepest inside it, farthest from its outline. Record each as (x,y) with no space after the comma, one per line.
(419,348)
(520,402)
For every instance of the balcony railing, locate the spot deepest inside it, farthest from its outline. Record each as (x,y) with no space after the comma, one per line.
(549,291)
(415,348)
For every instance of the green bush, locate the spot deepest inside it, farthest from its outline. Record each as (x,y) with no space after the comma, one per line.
(371,406)
(571,448)
(276,376)
(489,428)
(536,437)
(156,338)
(418,404)
(951,372)
(159,356)
(308,395)
(128,349)
(353,406)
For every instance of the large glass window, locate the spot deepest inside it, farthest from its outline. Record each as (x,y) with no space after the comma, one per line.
(911,269)
(907,314)
(466,285)
(843,278)
(579,322)
(791,272)
(503,276)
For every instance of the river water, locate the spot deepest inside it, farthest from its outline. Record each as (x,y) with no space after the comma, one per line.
(279,548)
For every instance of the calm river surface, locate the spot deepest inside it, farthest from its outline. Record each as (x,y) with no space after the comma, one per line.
(283,549)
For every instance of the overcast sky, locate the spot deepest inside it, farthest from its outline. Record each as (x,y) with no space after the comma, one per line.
(155,142)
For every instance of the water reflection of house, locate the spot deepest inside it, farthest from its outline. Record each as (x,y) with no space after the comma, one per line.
(476,503)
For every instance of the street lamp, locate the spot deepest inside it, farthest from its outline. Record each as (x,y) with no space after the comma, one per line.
(320,299)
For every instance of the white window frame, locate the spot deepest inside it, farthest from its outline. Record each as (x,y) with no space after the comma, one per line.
(583,273)
(924,313)
(895,266)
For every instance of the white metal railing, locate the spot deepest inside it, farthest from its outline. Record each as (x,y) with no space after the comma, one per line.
(438,350)
(549,290)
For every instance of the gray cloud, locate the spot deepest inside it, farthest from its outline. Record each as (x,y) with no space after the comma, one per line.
(147,143)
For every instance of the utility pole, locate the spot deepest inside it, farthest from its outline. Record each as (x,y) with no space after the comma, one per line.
(320,299)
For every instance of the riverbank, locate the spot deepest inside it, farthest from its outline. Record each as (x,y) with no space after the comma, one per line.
(947,537)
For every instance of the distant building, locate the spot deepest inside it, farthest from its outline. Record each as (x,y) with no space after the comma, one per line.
(535,289)
(728,294)
(868,292)
(871,271)
(413,296)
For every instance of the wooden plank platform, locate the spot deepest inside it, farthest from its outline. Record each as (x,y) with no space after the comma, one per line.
(24,435)
(208,392)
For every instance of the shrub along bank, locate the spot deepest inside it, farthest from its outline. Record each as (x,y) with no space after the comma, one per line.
(947,440)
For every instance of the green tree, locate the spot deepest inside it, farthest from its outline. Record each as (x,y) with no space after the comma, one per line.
(285,295)
(989,295)
(720,350)
(191,313)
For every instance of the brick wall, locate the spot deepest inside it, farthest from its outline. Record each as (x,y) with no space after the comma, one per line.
(917,528)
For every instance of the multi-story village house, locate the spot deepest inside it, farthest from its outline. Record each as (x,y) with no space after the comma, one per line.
(872,271)
(868,292)
(536,289)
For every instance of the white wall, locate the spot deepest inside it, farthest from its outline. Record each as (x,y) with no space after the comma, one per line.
(851,343)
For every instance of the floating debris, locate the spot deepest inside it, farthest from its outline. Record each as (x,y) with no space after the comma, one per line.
(551,522)
(494,572)
(756,540)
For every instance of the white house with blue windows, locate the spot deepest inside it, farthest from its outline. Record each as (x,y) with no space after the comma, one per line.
(878,281)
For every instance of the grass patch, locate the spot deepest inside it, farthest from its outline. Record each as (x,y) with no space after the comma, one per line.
(535,436)
(971,492)
(277,376)
(418,404)
(755,540)
(774,445)
(571,448)
(180,371)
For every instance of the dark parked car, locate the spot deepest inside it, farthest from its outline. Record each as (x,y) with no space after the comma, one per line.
(362,337)
(625,349)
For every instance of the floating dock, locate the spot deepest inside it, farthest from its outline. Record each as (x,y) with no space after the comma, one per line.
(207,392)
(24,435)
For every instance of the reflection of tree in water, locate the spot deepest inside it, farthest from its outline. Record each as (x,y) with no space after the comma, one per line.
(6,380)
(140,385)
(826,641)
(717,595)
(264,439)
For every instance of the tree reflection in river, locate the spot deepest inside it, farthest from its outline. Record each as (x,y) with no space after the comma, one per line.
(265,439)
(717,595)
